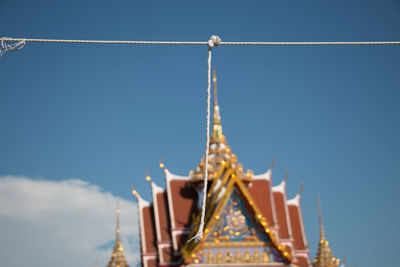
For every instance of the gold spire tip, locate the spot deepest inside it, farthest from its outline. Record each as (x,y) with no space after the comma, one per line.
(215,87)
(214,76)
(321,226)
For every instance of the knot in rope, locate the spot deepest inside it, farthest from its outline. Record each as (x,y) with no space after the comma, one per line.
(6,46)
(214,41)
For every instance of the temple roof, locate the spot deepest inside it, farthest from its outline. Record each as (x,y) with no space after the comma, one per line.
(324,256)
(117,257)
(246,217)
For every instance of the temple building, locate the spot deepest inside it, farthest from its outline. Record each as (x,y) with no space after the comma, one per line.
(248,221)
(117,257)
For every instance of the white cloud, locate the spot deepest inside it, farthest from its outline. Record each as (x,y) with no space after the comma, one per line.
(62,223)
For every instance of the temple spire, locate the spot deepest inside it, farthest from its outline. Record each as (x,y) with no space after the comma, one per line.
(324,256)
(220,153)
(117,257)
(215,89)
(321,226)
(217,128)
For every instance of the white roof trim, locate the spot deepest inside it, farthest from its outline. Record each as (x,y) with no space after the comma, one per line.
(280,187)
(294,201)
(303,230)
(160,248)
(170,176)
(304,255)
(266,176)
(146,258)
(155,189)
(142,204)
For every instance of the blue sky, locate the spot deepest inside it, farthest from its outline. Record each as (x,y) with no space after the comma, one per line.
(104,114)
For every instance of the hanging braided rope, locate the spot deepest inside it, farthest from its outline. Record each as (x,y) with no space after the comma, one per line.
(213,42)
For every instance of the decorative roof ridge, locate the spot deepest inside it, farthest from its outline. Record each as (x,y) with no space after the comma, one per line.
(217,185)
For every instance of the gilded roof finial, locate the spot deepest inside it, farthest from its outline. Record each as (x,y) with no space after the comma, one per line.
(321,226)
(117,211)
(217,128)
(215,88)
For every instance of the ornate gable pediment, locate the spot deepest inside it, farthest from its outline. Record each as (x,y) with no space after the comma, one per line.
(235,230)
(235,224)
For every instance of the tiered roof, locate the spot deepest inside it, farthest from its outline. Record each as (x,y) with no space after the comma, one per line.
(247,219)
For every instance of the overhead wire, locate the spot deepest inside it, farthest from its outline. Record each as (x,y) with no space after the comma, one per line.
(37,40)
(8,44)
